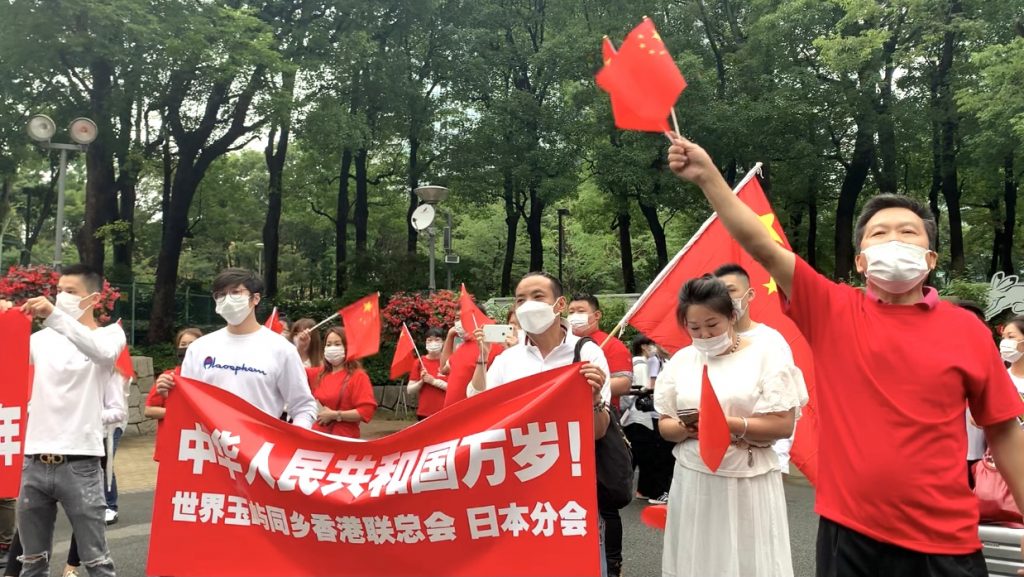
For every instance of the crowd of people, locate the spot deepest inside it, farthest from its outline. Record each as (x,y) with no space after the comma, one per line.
(902,378)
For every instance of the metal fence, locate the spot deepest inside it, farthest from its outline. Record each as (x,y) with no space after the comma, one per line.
(134,308)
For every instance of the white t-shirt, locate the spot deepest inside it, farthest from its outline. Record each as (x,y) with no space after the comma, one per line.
(71,386)
(524,360)
(976,443)
(261,367)
(753,380)
(774,339)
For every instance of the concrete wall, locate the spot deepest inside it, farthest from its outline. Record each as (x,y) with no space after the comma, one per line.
(137,423)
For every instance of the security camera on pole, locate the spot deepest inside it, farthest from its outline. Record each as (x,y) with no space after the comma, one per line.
(83,132)
(423,219)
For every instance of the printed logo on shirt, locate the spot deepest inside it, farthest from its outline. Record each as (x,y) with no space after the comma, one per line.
(211,363)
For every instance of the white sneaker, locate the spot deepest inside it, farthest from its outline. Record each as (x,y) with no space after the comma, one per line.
(110,517)
(662,500)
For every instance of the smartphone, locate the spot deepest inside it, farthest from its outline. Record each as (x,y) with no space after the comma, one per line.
(497,333)
(688,416)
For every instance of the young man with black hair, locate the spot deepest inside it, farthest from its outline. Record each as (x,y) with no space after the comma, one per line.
(245,358)
(895,369)
(737,280)
(74,384)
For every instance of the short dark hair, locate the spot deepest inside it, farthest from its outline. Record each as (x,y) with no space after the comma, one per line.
(91,278)
(556,285)
(1018,322)
(883,201)
(232,277)
(437,332)
(636,346)
(589,299)
(731,268)
(707,291)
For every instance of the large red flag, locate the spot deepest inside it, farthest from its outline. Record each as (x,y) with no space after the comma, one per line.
(642,79)
(16,378)
(470,315)
(273,322)
(714,435)
(405,354)
(654,314)
(124,361)
(362,327)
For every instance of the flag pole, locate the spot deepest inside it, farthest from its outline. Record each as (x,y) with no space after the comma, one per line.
(415,349)
(615,331)
(679,255)
(321,323)
(675,121)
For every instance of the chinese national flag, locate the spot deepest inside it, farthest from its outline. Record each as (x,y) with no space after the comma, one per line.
(642,80)
(124,361)
(470,315)
(655,313)
(405,354)
(714,437)
(274,323)
(362,327)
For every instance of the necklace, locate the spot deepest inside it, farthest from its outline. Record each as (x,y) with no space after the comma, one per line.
(735,345)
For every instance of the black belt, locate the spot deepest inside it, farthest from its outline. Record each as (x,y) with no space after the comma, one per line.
(51,459)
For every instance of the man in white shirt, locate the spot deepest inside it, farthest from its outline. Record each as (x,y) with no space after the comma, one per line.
(74,362)
(245,358)
(737,280)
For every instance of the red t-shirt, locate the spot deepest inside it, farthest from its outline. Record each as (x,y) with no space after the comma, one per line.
(461,366)
(892,381)
(357,394)
(619,359)
(431,398)
(155,399)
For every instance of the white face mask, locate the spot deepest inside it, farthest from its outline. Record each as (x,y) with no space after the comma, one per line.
(434,347)
(234,308)
(536,317)
(896,267)
(1008,350)
(69,304)
(335,355)
(579,321)
(714,346)
(737,305)
(461,332)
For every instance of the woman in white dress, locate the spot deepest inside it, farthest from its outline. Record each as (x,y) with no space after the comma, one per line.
(731,522)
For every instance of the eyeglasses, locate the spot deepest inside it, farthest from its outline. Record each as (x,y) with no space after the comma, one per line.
(235,292)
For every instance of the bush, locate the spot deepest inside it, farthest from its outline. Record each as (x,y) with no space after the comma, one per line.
(23,283)
(420,312)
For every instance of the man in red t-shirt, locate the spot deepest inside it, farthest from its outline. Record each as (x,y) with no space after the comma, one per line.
(584,318)
(895,368)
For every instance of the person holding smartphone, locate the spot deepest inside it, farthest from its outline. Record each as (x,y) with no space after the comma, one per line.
(730,522)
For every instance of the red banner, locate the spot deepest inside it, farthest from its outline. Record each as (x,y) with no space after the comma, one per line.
(15,371)
(500,484)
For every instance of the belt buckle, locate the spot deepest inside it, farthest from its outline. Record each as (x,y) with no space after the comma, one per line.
(49,459)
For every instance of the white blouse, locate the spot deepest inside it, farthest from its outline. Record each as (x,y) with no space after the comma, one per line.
(751,381)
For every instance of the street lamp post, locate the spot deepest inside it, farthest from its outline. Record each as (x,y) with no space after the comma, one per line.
(83,132)
(432,195)
(259,257)
(562,213)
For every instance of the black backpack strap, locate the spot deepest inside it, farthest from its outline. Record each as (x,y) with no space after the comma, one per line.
(576,357)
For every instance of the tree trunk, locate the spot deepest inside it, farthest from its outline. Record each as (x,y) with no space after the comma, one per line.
(413,182)
(949,123)
(887,175)
(853,183)
(100,192)
(362,208)
(534,230)
(275,184)
(511,233)
(1010,217)
(341,226)
(626,251)
(650,213)
(128,169)
(161,323)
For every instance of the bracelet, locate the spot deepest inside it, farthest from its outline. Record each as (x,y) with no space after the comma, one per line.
(481,363)
(744,434)
(600,406)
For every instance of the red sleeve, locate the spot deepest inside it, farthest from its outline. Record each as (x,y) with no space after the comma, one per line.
(311,375)
(363,400)
(814,301)
(154,398)
(619,359)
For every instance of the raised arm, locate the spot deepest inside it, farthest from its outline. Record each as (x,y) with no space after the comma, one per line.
(691,163)
(101,346)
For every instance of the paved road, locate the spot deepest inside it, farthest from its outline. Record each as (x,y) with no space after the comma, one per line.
(129,539)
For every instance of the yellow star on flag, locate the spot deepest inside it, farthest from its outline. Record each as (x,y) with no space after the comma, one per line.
(768,220)
(367,307)
(656,36)
(771,286)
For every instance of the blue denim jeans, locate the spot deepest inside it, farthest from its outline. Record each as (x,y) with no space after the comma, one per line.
(111,492)
(78,487)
